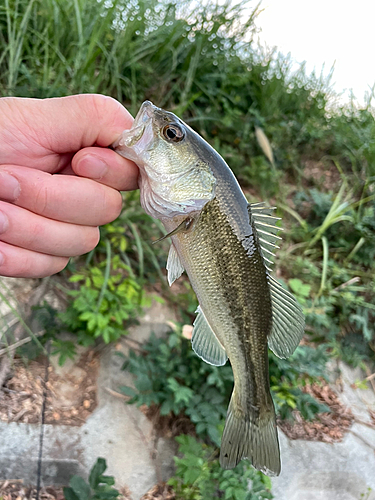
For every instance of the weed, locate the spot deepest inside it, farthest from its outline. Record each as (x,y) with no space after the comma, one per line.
(99,486)
(199,476)
(107,297)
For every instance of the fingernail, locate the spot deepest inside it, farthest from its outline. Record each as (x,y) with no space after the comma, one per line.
(92,166)
(1,259)
(4,222)
(9,187)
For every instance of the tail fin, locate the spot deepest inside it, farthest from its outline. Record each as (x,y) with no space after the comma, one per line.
(252,437)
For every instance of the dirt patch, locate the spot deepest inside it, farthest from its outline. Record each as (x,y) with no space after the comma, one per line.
(327,427)
(168,426)
(323,174)
(160,491)
(16,490)
(71,396)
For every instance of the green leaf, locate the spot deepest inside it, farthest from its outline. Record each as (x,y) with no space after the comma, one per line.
(299,288)
(97,470)
(69,494)
(86,315)
(166,408)
(143,382)
(184,394)
(267,482)
(128,391)
(76,277)
(80,487)
(108,480)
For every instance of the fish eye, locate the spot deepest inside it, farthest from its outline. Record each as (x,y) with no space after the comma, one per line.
(173,132)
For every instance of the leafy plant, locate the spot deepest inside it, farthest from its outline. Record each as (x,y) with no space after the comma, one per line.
(288,376)
(99,486)
(106,299)
(199,476)
(170,375)
(199,60)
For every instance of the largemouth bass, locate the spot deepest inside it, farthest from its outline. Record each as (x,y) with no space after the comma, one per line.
(225,245)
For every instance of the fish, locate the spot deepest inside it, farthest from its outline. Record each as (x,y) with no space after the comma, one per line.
(226,247)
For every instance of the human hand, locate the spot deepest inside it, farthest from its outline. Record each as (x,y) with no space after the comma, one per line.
(58,180)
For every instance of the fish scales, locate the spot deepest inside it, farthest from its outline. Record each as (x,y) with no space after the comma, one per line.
(242,309)
(228,279)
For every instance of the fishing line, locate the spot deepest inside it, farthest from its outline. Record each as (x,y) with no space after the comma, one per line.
(41,435)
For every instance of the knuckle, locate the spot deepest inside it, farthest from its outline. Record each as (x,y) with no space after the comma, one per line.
(41,200)
(101,103)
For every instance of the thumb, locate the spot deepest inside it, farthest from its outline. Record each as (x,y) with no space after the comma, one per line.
(49,131)
(87,119)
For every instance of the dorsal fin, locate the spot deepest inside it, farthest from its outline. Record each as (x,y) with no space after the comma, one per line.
(288,321)
(265,224)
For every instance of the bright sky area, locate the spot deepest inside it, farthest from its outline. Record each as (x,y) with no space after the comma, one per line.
(329,32)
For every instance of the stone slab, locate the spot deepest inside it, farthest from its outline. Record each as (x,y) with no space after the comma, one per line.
(321,471)
(118,432)
(360,401)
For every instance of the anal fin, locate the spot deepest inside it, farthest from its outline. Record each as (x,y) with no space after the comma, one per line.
(205,343)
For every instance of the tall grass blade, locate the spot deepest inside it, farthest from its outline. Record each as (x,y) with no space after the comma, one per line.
(107,273)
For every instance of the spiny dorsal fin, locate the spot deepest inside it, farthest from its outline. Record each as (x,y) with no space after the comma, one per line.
(288,321)
(205,343)
(267,230)
(174,266)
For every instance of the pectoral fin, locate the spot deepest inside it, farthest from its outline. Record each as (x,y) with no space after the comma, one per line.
(174,266)
(288,321)
(205,343)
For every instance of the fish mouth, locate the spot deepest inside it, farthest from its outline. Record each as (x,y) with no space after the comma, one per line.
(145,112)
(129,138)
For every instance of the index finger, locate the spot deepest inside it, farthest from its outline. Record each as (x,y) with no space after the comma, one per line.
(66,198)
(107,167)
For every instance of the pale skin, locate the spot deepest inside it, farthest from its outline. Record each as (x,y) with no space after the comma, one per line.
(58,179)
